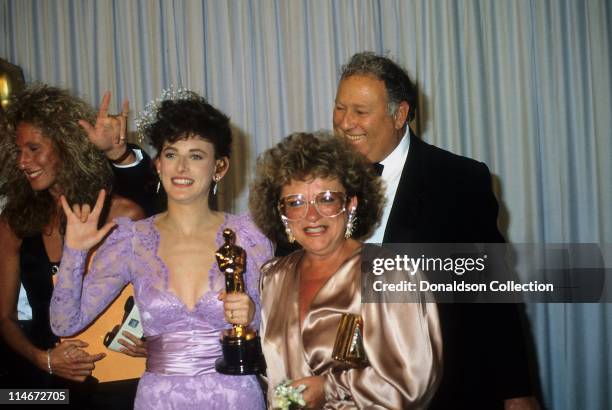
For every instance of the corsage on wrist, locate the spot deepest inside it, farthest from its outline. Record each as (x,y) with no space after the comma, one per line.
(287,397)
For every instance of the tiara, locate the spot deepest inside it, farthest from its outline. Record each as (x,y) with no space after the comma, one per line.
(148,115)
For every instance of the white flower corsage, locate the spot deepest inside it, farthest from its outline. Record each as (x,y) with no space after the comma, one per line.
(287,397)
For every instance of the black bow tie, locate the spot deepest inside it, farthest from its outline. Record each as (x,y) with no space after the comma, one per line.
(378,168)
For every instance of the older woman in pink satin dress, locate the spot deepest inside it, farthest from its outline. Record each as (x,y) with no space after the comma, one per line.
(325,197)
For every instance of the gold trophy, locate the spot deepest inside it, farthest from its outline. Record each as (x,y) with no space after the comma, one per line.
(241,347)
(348,347)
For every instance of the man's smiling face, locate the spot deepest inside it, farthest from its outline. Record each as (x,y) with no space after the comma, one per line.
(362,118)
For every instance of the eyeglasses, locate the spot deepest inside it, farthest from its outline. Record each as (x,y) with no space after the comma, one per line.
(327,203)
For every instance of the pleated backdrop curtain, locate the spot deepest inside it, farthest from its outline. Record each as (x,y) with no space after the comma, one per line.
(524,86)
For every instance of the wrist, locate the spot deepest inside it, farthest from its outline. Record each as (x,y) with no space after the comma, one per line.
(40,359)
(119,156)
(49,367)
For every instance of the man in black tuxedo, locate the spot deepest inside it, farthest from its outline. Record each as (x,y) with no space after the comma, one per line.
(434,196)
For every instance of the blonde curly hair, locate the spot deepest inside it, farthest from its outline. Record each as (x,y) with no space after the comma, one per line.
(82,172)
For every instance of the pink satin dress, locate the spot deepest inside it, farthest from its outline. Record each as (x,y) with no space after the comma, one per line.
(402,341)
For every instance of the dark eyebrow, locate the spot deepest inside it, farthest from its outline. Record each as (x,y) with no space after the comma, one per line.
(362,106)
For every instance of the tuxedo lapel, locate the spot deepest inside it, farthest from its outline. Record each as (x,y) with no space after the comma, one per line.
(406,208)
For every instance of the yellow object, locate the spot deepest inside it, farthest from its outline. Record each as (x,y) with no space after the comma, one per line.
(115,366)
(5,91)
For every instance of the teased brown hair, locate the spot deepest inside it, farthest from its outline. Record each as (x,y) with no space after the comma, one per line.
(82,172)
(302,156)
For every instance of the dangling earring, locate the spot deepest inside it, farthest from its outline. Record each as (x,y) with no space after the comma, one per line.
(350,224)
(290,236)
(215,182)
(158,182)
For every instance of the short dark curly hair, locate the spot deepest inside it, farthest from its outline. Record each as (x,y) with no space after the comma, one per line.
(83,169)
(192,116)
(302,156)
(397,82)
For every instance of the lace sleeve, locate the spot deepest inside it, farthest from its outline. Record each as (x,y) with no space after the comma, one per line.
(259,250)
(76,302)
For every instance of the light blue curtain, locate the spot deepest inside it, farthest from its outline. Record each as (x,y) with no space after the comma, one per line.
(524,86)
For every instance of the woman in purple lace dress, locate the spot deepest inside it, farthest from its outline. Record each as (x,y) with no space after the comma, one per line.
(170,260)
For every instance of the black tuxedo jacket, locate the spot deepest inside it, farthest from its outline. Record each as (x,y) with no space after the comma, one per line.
(139,184)
(446,198)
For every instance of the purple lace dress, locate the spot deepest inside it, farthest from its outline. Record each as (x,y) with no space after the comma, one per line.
(183,344)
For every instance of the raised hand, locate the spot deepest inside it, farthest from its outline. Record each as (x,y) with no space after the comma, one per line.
(82,224)
(110,131)
(69,361)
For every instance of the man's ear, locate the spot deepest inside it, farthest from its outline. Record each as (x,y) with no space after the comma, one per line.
(401,115)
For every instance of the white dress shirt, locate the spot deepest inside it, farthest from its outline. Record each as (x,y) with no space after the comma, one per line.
(139,157)
(392,172)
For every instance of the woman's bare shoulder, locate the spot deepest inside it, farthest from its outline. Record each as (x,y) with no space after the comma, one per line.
(8,238)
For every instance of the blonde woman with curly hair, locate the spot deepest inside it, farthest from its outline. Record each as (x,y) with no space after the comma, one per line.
(45,154)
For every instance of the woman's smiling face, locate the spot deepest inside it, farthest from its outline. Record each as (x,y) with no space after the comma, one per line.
(186,168)
(37,157)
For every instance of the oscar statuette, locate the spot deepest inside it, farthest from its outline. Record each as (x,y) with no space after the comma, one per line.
(241,347)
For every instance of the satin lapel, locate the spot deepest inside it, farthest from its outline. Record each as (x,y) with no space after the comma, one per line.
(293,324)
(404,216)
(340,294)
(282,333)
